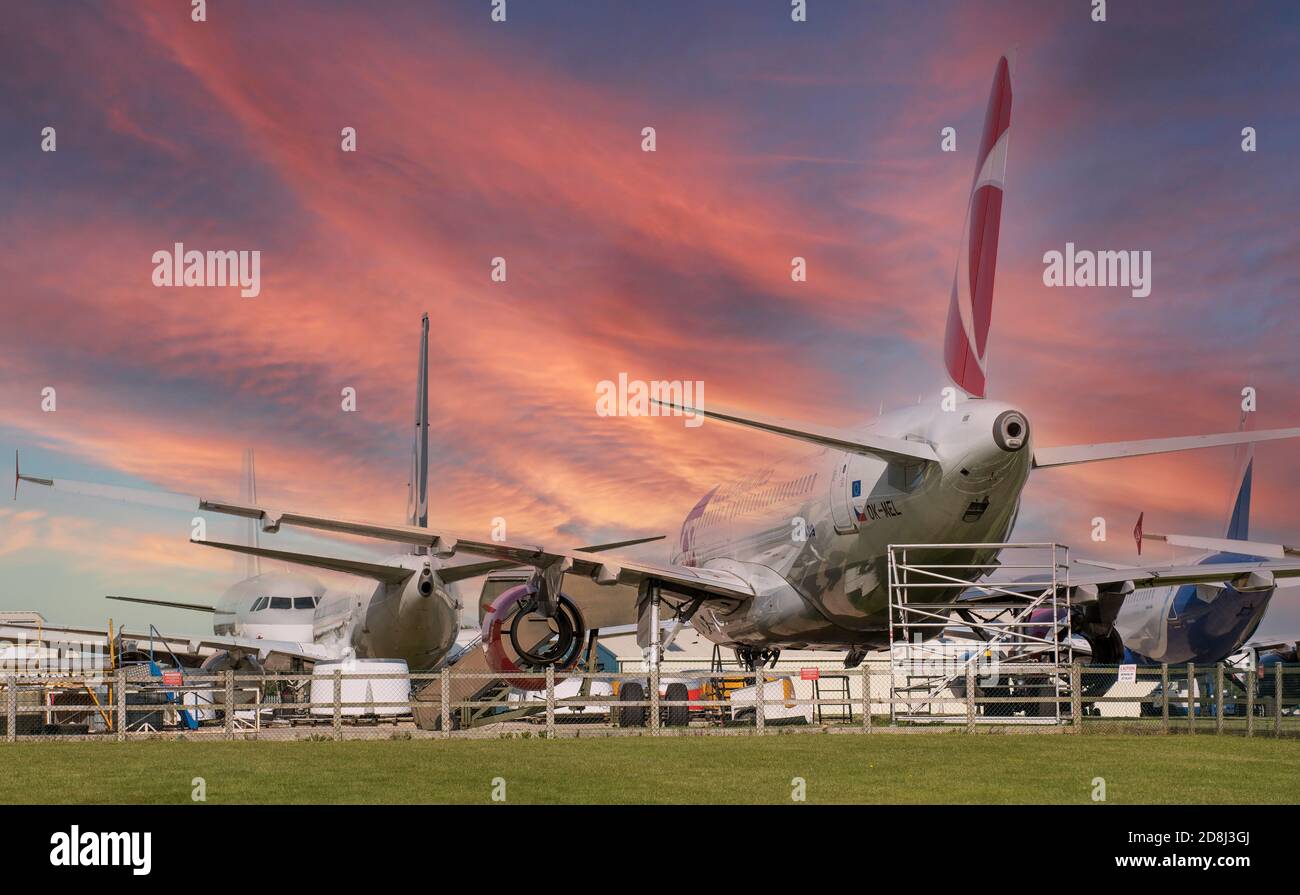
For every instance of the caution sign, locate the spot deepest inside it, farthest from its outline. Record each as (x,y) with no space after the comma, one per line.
(810,674)
(1128,674)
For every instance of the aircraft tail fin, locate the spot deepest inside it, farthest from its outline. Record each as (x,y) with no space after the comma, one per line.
(970,309)
(1239,512)
(417,504)
(249,565)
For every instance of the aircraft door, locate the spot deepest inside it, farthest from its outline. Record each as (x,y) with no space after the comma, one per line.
(846,521)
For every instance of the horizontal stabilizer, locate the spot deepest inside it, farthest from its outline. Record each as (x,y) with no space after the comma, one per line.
(170,604)
(1226,545)
(1090,453)
(386,574)
(896,450)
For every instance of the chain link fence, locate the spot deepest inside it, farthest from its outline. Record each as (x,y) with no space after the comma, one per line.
(136,702)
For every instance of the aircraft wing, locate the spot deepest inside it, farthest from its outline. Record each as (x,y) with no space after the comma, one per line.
(192,646)
(1271,643)
(380,572)
(615,575)
(170,604)
(376,571)
(1127,578)
(1225,545)
(1068,455)
(895,450)
(687,581)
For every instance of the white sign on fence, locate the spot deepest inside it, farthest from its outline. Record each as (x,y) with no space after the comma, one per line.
(1128,674)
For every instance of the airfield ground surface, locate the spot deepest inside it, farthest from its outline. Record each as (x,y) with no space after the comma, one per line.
(930,768)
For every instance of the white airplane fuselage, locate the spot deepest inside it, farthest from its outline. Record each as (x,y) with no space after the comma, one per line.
(416,620)
(812,534)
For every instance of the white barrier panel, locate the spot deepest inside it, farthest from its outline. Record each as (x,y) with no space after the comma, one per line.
(384,696)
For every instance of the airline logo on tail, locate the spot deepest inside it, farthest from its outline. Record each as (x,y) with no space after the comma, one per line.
(970,310)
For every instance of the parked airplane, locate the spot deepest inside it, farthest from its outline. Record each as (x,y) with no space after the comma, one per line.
(1209,621)
(744,577)
(273,605)
(408,612)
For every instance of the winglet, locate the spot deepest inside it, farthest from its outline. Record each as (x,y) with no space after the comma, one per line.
(1137,532)
(19,477)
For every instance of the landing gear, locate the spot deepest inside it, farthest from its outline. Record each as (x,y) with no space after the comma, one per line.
(632,715)
(677,715)
(751,659)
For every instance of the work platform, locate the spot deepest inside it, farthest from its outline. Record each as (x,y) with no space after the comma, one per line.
(959,622)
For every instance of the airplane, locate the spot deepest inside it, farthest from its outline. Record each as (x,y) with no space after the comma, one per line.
(273,605)
(1204,623)
(410,612)
(946,473)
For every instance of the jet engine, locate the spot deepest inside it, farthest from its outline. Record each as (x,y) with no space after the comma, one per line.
(239,663)
(517,638)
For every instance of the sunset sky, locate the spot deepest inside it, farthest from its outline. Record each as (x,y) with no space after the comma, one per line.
(522,140)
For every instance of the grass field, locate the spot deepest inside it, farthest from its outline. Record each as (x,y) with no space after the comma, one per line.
(943,768)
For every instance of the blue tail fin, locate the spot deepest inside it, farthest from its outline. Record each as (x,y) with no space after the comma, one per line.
(1239,521)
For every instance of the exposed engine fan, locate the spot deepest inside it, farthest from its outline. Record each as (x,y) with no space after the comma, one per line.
(517,639)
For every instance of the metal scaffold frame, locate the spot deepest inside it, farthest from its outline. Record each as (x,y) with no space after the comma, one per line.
(1008,634)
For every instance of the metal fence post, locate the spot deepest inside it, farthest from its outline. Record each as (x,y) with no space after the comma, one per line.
(866,698)
(970,698)
(444,696)
(654,699)
(1277,699)
(229,700)
(1218,698)
(550,702)
(1250,702)
(11,707)
(1191,697)
(338,704)
(1076,697)
(760,707)
(1164,697)
(119,705)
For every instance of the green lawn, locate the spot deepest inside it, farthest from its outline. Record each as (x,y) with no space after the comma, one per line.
(932,767)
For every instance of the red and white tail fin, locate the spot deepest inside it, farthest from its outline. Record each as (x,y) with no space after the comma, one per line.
(971,309)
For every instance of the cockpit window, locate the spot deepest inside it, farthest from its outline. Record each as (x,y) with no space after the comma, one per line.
(304,602)
(281,603)
(259,604)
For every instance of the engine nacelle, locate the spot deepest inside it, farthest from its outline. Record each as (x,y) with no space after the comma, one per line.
(517,639)
(239,663)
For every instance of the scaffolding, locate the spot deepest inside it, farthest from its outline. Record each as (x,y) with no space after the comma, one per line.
(992,617)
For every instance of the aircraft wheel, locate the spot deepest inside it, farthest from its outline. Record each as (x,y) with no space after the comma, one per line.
(677,715)
(631,715)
